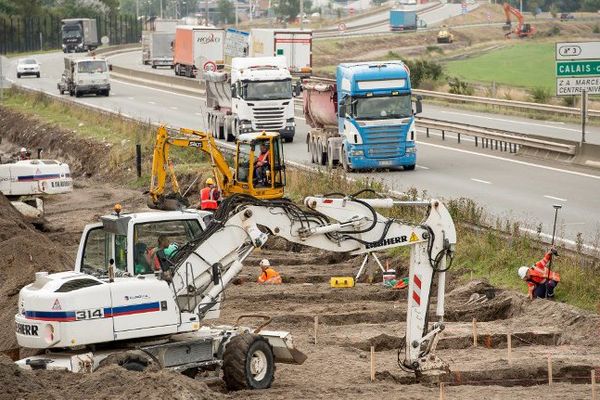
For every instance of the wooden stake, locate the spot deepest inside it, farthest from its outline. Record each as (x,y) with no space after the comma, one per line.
(509,348)
(442,391)
(549,369)
(372,363)
(594,397)
(316,327)
(474,332)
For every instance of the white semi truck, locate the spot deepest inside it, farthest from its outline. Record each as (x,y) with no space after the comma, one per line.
(115,304)
(256,96)
(157,42)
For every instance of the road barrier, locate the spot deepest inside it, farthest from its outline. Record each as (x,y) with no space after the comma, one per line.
(523,105)
(497,139)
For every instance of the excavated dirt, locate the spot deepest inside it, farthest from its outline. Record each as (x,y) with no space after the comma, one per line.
(350,322)
(23,251)
(82,155)
(111,382)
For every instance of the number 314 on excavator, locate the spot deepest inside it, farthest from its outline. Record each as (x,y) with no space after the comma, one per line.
(258,170)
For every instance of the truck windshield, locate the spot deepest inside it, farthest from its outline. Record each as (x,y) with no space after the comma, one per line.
(71,33)
(267,90)
(91,66)
(382,107)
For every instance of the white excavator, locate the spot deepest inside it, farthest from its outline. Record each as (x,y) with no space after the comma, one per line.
(144,317)
(24,182)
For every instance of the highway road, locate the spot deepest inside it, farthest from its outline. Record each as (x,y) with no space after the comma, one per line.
(506,185)
(549,129)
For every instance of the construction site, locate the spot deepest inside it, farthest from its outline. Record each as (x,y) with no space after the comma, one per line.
(496,343)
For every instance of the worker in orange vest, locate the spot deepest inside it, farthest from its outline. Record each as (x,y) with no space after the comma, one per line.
(268,275)
(263,164)
(209,196)
(541,281)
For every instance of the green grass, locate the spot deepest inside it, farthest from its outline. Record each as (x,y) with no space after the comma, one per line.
(519,64)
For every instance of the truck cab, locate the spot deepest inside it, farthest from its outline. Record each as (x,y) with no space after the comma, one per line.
(79,35)
(127,239)
(375,115)
(262,97)
(84,76)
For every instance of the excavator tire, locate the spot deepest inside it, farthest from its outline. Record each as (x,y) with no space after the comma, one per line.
(248,363)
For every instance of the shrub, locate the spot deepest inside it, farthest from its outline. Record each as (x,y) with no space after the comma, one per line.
(596,29)
(539,95)
(460,87)
(421,70)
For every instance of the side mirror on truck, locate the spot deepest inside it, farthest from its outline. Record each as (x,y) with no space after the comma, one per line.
(419,105)
(110,67)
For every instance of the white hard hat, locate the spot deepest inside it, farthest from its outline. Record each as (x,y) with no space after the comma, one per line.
(23,150)
(265,263)
(523,271)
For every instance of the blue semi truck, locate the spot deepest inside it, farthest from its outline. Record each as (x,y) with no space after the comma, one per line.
(403,19)
(364,119)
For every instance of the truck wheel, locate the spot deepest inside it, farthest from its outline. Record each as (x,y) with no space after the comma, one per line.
(154,66)
(288,139)
(71,93)
(409,167)
(38,75)
(248,363)
(77,93)
(18,76)
(321,154)
(106,93)
(345,163)
(312,148)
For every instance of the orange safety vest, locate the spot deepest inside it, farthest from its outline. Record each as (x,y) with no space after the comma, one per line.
(270,276)
(539,273)
(207,199)
(263,157)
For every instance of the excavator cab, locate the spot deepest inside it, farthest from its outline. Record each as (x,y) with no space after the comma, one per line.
(259,165)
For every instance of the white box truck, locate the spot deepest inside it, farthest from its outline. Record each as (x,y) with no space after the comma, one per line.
(157,48)
(256,96)
(293,44)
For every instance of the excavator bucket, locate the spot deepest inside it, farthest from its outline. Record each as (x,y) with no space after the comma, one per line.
(168,203)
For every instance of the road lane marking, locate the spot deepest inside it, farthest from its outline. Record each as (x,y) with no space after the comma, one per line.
(130,98)
(554,198)
(200,114)
(481,181)
(511,121)
(422,167)
(173,108)
(151,102)
(565,171)
(156,89)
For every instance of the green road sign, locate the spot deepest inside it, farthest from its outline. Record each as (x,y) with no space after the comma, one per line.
(577,68)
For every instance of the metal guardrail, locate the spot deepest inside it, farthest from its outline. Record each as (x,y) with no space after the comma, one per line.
(505,103)
(498,137)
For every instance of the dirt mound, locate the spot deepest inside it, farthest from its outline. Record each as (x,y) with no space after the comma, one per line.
(112,382)
(80,154)
(24,251)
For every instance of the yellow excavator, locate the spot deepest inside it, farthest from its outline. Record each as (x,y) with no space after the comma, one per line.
(264,182)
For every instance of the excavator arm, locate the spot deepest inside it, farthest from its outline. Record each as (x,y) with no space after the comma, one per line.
(162,166)
(207,265)
(522,29)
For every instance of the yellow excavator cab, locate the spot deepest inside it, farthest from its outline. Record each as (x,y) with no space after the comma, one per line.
(259,166)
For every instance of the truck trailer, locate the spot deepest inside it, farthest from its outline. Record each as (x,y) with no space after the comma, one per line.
(403,19)
(198,48)
(293,44)
(364,119)
(157,50)
(157,42)
(256,96)
(79,35)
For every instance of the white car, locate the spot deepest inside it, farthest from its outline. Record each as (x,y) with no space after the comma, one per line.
(28,66)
